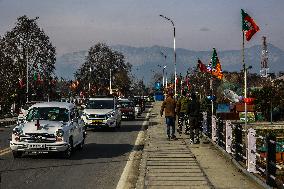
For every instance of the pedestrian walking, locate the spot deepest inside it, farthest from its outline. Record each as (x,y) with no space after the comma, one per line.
(182,113)
(169,106)
(193,111)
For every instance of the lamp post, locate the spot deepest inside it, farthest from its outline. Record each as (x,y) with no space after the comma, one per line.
(27,56)
(165,56)
(174,50)
(110,89)
(90,81)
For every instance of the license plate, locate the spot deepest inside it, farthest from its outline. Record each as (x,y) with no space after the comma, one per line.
(37,146)
(97,121)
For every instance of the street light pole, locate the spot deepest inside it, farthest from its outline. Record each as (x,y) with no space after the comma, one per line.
(27,57)
(175,57)
(110,89)
(90,81)
(164,76)
(165,56)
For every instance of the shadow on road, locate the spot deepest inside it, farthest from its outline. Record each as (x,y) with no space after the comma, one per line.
(95,151)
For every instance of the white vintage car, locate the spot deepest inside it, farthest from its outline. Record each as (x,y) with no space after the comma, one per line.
(101,112)
(49,127)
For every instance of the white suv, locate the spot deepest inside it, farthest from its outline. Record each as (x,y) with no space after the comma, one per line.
(49,127)
(101,112)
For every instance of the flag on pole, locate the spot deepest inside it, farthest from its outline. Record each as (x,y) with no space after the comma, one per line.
(21,83)
(214,59)
(248,25)
(216,70)
(202,67)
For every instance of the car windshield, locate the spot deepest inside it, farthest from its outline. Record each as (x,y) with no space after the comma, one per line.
(126,104)
(48,113)
(100,104)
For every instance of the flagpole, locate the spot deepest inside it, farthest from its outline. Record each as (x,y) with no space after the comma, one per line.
(245,76)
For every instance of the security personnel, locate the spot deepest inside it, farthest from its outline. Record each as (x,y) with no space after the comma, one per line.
(182,112)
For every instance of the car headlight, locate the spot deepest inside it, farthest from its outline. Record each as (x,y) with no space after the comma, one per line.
(60,133)
(17,131)
(85,115)
(111,114)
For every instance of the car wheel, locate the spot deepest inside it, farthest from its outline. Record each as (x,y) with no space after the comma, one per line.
(118,125)
(68,152)
(81,145)
(17,154)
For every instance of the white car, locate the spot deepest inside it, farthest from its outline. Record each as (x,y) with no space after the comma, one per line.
(101,112)
(49,127)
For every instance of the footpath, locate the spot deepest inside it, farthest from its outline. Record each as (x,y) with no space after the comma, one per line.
(177,164)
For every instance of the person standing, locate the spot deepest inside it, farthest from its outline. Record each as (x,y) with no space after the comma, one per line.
(169,106)
(182,112)
(193,111)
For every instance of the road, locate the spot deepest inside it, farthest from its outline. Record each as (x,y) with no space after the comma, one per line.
(99,165)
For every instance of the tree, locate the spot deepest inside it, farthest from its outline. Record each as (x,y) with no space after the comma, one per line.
(26,45)
(100,61)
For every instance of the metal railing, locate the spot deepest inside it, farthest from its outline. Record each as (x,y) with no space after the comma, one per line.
(244,145)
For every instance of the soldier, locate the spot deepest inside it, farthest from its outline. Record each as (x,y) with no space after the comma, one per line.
(169,105)
(194,110)
(182,112)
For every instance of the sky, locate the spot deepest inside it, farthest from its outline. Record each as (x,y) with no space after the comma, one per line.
(75,25)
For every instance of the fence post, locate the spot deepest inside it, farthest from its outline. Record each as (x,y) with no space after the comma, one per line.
(271,159)
(251,151)
(214,129)
(228,136)
(220,132)
(204,123)
(238,139)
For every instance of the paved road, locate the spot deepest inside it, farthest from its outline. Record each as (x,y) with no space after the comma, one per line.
(99,165)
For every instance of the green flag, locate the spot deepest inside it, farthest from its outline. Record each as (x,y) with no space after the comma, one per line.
(214,59)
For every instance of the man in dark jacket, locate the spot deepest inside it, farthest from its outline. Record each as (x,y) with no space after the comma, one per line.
(169,106)
(193,111)
(182,112)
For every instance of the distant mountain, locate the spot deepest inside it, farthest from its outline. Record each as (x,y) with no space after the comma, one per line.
(147,60)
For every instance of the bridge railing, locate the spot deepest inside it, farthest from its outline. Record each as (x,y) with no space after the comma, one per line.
(254,152)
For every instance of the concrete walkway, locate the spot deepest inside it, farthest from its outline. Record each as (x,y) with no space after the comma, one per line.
(178,164)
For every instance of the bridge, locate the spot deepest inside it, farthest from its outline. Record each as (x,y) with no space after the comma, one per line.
(226,157)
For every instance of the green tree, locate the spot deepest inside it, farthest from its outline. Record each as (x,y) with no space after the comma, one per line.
(100,62)
(26,45)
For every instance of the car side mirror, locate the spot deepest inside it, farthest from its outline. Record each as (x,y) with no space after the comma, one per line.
(83,106)
(118,106)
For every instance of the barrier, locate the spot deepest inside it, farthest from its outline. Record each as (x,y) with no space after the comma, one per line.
(256,153)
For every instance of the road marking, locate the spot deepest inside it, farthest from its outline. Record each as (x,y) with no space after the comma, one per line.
(5,151)
(123,178)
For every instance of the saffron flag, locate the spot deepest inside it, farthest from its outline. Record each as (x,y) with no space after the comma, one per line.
(202,67)
(248,25)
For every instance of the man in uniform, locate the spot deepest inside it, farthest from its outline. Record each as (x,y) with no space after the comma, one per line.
(182,112)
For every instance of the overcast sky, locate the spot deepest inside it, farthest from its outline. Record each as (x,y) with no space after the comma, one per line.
(74,25)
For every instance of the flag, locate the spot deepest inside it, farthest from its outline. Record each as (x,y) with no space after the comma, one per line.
(248,25)
(202,67)
(21,83)
(214,59)
(216,70)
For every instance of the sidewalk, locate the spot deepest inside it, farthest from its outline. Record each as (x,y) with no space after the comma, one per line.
(178,164)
